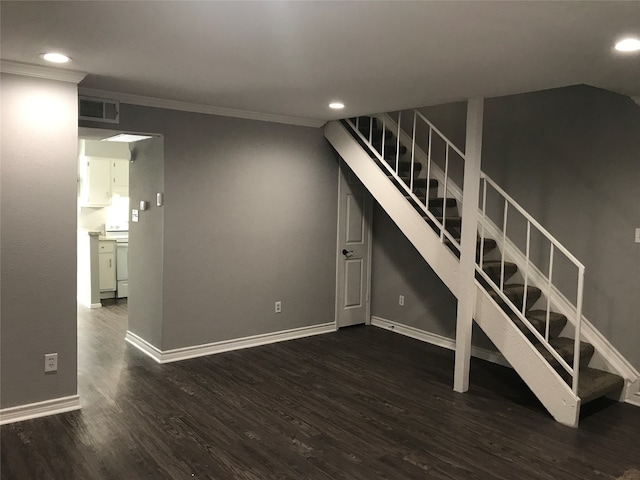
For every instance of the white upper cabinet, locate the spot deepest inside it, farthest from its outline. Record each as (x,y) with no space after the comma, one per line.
(96,182)
(120,177)
(104,172)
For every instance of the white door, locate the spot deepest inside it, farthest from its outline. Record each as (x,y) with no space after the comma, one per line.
(354,242)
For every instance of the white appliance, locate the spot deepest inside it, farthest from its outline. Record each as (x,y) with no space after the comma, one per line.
(122,260)
(122,268)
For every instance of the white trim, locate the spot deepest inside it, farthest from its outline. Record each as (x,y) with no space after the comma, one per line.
(634,400)
(337,295)
(369,258)
(95,305)
(438,340)
(39,409)
(185,353)
(144,346)
(200,108)
(39,71)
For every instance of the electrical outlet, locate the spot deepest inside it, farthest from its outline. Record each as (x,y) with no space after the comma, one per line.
(637,235)
(401,300)
(50,362)
(278,306)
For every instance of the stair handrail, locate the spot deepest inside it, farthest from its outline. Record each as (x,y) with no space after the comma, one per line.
(573,370)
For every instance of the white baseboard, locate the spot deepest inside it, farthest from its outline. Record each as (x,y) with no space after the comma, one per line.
(39,409)
(95,305)
(185,353)
(144,346)
(634,400)
(438,340)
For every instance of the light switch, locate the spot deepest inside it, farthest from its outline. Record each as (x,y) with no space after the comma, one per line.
(134,215)
(637,235)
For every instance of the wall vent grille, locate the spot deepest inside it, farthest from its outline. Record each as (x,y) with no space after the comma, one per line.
(98,109)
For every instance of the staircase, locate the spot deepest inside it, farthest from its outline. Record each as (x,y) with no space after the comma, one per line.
(516,315)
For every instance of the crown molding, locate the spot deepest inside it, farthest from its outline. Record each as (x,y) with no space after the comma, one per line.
(39,71)
(155,102)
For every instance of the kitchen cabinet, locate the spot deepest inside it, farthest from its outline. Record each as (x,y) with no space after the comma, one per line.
(102,178)
(107,265)
(120,177)
(96,182)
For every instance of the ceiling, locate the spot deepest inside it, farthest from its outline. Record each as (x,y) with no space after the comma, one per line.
(293,58)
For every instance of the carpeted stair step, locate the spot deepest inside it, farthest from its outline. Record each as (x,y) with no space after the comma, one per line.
(390,148)
(489,245)
(538,319)
(515,293)
(436,203)
(493,268)
(564,346)
(420,183)
(404,167)
(593,383)
(452,224)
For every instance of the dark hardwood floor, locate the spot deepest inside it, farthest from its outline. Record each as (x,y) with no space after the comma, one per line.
(361,403)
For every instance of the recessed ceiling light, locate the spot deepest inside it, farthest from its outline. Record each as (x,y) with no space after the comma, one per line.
(628,45)
(336,105)
(55,57)
(126,137)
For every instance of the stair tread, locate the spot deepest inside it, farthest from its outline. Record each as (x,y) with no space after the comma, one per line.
(537,318)
(515,292)
(595,383)
(420,182)
(498,263)
(452,220)
(404,165)
(564,346)
(436,202)
(493,268)
(489,244)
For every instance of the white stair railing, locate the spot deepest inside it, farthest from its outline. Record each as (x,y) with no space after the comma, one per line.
(377,145)
(376,141)
(554,247)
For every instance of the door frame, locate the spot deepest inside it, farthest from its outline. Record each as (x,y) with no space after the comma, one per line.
(339,255)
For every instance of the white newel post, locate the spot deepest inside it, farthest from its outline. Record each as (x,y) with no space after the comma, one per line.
(466,273)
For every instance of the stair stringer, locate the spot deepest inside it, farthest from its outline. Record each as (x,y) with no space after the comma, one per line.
(526,360)
(408,220)
(541,378)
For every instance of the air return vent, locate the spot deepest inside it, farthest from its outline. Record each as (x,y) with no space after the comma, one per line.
(98,109)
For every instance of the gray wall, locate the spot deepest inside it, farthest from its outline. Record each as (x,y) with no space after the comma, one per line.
(146,239)
(571,157)
(38,243)
(249,218)
(398,269)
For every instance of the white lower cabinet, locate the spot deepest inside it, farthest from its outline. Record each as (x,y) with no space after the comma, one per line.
(107,265)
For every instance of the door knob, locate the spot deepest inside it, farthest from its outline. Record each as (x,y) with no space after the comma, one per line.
(346,252)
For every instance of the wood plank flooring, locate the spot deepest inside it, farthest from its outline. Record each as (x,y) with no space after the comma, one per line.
(361,403)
